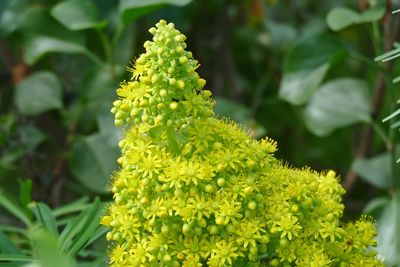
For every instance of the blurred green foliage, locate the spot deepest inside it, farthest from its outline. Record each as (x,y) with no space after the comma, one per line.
(299,71)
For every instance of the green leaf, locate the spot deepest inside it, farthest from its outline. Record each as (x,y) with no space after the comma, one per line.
(97,91)
(337,104)
(124,48)
(172,142)
(7,246)
(37,46)
(89,229)
(376,206)
(108,130)
(77,14)
(38,93)
(42,35)
(47,250)
(25,192)
(341,17)
(80,230)
(92,161)
(10,16)
(396,80)
(75,206)
(372,14)
(388,230)
(45,216)
(156,132)
(13,257)
(14,208)
(306,66)
(132,9)
(31,136)
(375,170)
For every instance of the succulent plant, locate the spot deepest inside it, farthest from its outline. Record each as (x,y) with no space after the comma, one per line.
(197,190)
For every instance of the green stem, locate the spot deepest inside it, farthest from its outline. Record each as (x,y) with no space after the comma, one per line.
(107,47)
(94,58)
(364,59)
(377,37)
(381,133)
(392,132)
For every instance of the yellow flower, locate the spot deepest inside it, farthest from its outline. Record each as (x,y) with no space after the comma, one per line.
(224,253)
(197,190)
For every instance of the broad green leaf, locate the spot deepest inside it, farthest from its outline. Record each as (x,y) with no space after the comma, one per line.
(31,136)
(14,208)
(92,161)
(77,14)
(45,216)
(376,206)
(341,17)
(124,48)
(42,35)
(108,130)
(337,104)
(47,251)
(306,66)
(372,14)
(38,93)
(281,34)
(388,230)
(232,110)
(376,170)
(37,46)
(98,92)
(97,83)
(297,87)
(10,15)
(132,9)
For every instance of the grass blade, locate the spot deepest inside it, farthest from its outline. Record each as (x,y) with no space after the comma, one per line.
(45,216)
(14,208)
(79,205)
(7,246)
(14,257)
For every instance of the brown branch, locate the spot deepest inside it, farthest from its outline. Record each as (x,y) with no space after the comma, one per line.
(365,138)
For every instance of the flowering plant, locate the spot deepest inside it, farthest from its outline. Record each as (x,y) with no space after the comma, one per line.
(196,190)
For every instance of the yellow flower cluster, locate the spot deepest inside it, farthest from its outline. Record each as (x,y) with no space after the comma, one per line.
(195,190)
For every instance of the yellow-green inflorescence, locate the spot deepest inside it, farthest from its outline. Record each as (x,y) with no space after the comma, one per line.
(196,190)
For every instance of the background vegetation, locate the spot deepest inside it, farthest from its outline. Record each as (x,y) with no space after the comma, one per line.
(313,75)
